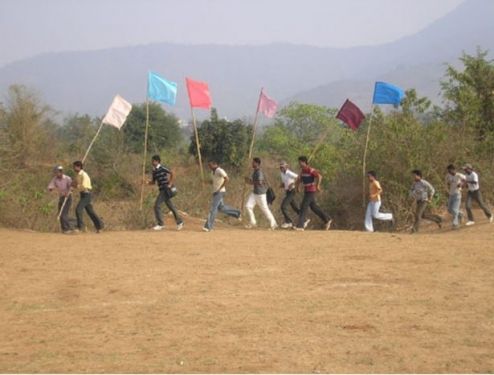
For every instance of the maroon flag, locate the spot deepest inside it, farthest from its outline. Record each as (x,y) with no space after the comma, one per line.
(351,115)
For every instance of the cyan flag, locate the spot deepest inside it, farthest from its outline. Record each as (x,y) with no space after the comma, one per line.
(386,93)
(161,90)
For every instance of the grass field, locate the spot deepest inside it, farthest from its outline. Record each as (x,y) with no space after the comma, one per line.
(247,301)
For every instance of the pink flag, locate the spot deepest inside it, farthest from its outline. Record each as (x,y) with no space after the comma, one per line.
(266,106)
(199,95)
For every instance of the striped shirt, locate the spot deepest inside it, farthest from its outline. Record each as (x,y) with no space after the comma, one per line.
(161,176)
(308,177)
(422,190)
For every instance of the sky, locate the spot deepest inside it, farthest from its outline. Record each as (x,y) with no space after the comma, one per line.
(31,27)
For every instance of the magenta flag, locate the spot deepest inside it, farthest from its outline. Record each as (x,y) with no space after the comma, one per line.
(266,105)
(351,115)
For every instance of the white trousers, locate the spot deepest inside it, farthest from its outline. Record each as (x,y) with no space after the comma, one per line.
(260,200)
(373,212)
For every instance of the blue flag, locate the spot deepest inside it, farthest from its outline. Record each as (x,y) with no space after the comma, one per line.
(386,93)
(161,90)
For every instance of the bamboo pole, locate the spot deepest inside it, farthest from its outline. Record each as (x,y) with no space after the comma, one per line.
(145,155)
(198,144)
(364,161)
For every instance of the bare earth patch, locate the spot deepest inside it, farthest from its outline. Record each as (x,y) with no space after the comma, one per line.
(247,301)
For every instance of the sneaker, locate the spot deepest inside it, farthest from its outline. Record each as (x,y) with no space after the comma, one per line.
(306,223)
(491,219)
(250,226)
(67,232)
(469,223)
(328,225)
(158,227)
(204,229)
(180,226)
(298,229)
(286,225)
(274,227)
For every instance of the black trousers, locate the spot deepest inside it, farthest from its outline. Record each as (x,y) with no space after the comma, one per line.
(289,200)
(64,215)
(476,196)
(422,213)
(309,201)
(85,204)
(163,197)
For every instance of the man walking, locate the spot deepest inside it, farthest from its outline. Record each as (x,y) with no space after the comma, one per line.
(374,204)
(82,183)
(258,196)
(472,181)
(63,185)
(288,179)
(422,192)
(311,179)
(454,181)
(164,178)
(219,181)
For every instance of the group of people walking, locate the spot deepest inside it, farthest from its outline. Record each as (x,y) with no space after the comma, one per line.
(294,216)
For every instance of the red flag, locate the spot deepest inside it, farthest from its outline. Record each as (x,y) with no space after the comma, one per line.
(351,115)
(199,96)
(266,106)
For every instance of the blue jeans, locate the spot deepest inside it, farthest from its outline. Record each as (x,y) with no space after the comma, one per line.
(219,205)
(454,202)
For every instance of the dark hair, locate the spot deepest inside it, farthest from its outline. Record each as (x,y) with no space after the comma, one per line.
(303,158)
(372,173)
(450,167)
(156,158)
(417,172)
(77,163)
(213,161)
(257,160)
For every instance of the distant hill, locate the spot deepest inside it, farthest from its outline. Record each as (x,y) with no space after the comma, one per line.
(85,82)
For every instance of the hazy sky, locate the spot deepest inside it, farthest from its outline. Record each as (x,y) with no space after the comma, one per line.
(30,27)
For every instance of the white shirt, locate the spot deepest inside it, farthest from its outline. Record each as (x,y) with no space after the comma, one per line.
(218,179)
(453,181)
(473,177)
(288,178)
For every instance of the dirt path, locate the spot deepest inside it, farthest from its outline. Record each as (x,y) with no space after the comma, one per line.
(247,301)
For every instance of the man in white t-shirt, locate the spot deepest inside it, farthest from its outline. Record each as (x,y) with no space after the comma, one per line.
(288,179)
(472,181)
(219,181)
(454,181)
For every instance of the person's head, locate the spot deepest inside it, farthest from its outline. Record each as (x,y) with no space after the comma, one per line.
(283,166)
(77,165)
(417,174)
(302,161)
(155,160)
(58,171)
(212,164)
(451,169)
(372,176)
(256,163)
(468,168)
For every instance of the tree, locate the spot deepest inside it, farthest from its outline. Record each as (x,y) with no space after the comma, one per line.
(469,94)
(164,129)
(222,140)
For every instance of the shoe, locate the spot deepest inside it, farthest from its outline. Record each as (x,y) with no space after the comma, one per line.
(67,232)
(250,226)
(306,223)
(328,225)
(180,226)
(491,219)
(286,225)
(469,223)
(158,227)
(99,230)
(298,229)
(204,229)
(274,227)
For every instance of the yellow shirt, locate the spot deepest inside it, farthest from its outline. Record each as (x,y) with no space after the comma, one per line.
(375,191)
(83,181)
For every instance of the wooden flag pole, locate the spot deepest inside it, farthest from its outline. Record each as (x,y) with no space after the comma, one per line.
(251,149)
(318,145)
(364,162)
(198,144)
(145,155)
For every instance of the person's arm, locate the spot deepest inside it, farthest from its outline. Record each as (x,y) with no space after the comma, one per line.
(152,181)
(430,190)
(297,184)
(318,177)
(68,186)
(51,185)
(172,178)
(292,175)
(474,181)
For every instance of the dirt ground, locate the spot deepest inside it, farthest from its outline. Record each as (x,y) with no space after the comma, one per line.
(236,300)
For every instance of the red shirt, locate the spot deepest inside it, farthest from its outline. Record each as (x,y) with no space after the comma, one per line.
(308,177)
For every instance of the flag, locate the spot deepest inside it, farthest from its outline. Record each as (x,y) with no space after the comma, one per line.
(386,93)
(118,112)
(161,90)
(350,114)
(199,95)
(266,105)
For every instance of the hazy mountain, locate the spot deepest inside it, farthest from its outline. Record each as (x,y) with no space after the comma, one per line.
(85,82)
